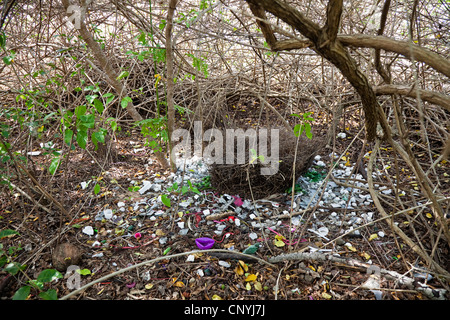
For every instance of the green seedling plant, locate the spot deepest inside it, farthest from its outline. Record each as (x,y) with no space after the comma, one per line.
(205,184)
(183,189)
(9,265)
(179,189)
(254,157)
(305,124)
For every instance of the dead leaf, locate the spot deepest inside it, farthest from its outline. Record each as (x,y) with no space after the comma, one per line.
(251,277)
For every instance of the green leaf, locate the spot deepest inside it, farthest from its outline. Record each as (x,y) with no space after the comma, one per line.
(308,131)
(113,124)
(80,110)
(50,294)
(22,293)
(54,165)
(8,59)
(90,98)
(97,189)
(109,97)
(14,267)
(49,275)
(87,121)
(2,40)
(165,199)
(297,130)
(7,233)
(84,272)
(99,106)
(125,101)
(122,75)
(68,134)
(82,138)
(98,136)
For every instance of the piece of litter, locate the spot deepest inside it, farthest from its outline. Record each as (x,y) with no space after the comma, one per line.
(146,186)
(88,230)
(204,243)
(108,213)
(253,236)
(190,258)
(224,264)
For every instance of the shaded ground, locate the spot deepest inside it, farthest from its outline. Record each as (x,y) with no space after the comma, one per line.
(131,237)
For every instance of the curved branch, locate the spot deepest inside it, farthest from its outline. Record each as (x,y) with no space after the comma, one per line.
(426,95)
(434,60)
(404,48)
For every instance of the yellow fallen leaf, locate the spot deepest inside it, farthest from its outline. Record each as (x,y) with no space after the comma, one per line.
(248,286)
(366,255)
(279,243)
(429,215)
(148,286)
(239,271)
(373,236)
(216,297)
(241,268)
(258,285)
(179,284)
(326,295)
(251,277)
(350,247)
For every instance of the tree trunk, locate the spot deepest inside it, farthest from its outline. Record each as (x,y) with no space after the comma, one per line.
(169,67)
(326,43)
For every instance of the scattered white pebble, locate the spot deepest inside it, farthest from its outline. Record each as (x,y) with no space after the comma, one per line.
(342,135)
(381,234)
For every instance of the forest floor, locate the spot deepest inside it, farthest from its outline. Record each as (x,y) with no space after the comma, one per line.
(119,227)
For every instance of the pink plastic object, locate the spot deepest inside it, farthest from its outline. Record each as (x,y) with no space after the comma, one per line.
(204,243)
